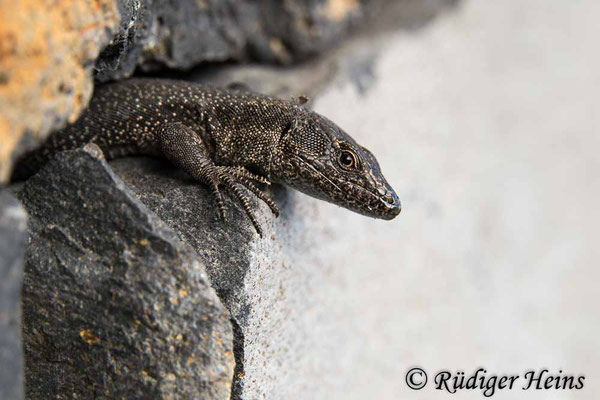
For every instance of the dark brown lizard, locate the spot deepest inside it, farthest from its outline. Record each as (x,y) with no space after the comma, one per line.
(228,139)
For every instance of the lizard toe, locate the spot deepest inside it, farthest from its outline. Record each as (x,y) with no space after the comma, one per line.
(235,188)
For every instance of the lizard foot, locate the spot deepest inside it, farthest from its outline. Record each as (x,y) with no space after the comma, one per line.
(233,179)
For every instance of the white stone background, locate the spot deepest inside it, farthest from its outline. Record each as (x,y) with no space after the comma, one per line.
(487,124)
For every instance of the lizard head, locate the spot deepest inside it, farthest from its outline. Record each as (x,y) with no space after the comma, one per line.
(320,159)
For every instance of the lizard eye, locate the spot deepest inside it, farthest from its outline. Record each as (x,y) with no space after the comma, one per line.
(347,159)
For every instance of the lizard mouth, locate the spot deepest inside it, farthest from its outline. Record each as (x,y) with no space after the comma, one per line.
(384,204)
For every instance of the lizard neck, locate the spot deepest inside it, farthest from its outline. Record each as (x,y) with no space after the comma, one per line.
(249,134)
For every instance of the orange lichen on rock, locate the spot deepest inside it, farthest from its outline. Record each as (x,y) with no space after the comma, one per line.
(47,53)
(338,10)
(89,337)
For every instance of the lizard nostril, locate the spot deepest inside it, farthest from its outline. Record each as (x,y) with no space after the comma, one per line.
(389,199)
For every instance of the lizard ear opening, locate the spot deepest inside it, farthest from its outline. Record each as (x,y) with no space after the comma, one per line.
(287,130)
(294,125)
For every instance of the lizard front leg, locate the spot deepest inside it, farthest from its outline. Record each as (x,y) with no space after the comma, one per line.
(184,148)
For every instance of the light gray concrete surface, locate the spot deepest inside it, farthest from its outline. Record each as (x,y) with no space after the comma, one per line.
(487,123)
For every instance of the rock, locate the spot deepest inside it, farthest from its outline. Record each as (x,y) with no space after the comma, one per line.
(184,33)
(13,232)
(248,272)
(181,34)
(114,305)
(47,54)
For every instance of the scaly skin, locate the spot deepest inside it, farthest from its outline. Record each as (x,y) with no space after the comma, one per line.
(228,139)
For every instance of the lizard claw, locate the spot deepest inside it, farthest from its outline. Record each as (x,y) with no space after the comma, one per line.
(261,195)
(233,178)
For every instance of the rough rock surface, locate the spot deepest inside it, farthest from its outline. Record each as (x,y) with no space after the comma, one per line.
(13,232)
(47,54)
(184,33)
(249,273)
(114,305)
(181,34)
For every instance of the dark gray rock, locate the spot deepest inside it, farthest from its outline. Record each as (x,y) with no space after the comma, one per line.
(225,247)
(114,305)
(252,275)
(183,33)
(13,232)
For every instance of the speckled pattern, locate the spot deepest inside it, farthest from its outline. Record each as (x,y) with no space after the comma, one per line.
(228,139)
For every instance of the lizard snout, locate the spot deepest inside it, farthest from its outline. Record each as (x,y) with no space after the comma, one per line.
(392,205)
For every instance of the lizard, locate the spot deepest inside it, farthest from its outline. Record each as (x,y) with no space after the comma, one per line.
(229,139)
